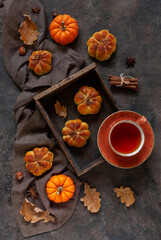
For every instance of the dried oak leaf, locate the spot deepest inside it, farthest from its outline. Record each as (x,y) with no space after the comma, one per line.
(34,214)
(61,110)
(28,30)
(127,196)
(91,200)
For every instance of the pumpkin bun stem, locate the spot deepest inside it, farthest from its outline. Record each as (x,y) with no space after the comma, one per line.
(60,189)
(63,27)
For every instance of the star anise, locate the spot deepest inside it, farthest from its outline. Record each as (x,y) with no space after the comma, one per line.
(32,193)
(130,62)
(36,10)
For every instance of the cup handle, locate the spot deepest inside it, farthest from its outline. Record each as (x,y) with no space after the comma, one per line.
(141,120)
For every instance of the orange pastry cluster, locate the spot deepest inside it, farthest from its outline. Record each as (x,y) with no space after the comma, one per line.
(88,100)
(40,62)
(101,45)
(75,133)
(39,160)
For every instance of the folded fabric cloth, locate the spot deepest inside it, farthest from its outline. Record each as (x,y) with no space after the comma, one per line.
(32,130)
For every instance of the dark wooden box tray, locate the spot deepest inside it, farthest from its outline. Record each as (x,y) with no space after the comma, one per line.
(85,158)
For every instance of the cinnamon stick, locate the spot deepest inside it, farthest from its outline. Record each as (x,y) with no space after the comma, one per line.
(119,82)
(131,87)
(116,78)
(123,82)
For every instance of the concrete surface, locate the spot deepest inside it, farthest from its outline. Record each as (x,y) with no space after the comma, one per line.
(137,26)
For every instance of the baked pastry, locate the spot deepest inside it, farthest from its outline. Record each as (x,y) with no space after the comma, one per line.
(75,133)
(101,45)
(40,62)
(88,100)
(39,160)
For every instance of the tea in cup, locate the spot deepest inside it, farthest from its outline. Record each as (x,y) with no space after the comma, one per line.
(126,137)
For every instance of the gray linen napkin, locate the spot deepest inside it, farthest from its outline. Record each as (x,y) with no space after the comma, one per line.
(32,129)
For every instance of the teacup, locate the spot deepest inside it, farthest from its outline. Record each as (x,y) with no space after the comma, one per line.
(126,138)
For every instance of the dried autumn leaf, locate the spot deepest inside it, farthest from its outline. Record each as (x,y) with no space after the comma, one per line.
(28,30)
(91,200)
(34,214)
(127,196)
(61,110)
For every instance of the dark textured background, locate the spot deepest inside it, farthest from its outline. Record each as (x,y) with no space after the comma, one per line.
(137,26)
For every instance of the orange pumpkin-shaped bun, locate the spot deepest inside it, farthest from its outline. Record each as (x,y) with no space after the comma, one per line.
(39,160)
(75,133)
(88,100)
(63,29)
(60,188)
(40,62)
(101,45)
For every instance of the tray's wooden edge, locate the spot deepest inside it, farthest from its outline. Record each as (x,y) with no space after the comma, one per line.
(107,91)
(101,160)
(79,173)
(59,85)
(66,81)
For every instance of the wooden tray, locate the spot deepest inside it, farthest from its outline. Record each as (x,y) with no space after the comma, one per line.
(85,158)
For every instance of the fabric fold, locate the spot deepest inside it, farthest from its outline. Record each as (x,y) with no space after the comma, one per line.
(32,130)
